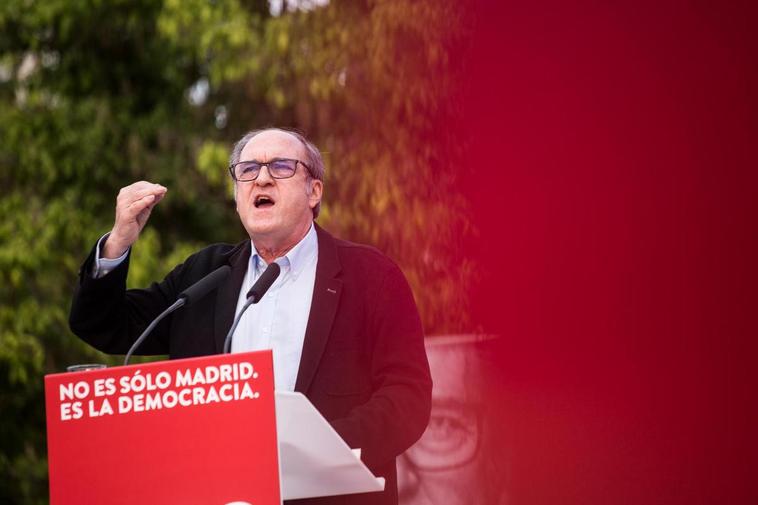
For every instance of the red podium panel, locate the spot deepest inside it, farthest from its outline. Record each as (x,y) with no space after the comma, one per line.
(199,430)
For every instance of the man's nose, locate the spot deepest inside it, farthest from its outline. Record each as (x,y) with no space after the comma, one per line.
(264,177)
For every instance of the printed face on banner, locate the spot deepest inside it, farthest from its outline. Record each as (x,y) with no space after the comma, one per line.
(452,463)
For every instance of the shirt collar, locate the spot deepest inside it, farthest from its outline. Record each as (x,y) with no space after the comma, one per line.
(297,257)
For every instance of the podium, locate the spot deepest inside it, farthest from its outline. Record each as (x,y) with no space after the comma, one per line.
(199,430)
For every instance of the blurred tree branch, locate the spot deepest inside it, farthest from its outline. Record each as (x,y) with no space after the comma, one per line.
(95,95)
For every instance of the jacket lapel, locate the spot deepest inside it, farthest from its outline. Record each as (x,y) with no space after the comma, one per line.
(228,294)
(326,296)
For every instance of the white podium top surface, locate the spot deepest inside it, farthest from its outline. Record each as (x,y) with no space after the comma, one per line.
(313,459)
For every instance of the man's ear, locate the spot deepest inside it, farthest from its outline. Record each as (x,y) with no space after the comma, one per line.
(315,193)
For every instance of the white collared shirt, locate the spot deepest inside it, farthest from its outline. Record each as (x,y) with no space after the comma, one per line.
(279,320)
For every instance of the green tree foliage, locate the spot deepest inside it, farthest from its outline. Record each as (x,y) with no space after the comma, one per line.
(97,94)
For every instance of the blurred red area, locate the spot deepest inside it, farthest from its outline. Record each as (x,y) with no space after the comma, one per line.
(612,177)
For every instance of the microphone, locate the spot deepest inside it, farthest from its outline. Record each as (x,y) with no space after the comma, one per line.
(205,285)
(255,294)
(264,282)
(186,297)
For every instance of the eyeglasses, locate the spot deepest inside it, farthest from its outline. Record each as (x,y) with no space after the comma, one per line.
(451,439)
(278,168)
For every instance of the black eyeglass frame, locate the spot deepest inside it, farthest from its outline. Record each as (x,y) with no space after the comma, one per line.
(267,165)
(479,426)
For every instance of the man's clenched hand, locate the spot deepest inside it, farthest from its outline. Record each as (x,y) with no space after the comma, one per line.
(133,206)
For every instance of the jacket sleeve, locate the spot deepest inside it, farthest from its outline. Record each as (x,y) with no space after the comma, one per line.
(110,318)
(398,410)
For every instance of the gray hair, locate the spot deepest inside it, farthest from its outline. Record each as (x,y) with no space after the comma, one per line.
(313,160)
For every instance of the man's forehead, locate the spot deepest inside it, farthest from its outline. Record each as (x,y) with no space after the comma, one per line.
(272,144)
(453,369)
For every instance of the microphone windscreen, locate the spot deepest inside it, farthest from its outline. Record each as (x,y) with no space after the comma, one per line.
(205,285)
(264,282)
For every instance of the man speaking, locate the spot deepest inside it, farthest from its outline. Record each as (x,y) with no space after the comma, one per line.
(340,318)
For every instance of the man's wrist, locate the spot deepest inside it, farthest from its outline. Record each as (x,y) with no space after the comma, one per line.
(103,265)
(114,248)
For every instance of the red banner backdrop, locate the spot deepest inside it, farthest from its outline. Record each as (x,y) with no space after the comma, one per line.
(612,175)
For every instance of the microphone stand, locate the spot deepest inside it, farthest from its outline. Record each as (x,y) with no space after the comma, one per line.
(177,304)
(228,339)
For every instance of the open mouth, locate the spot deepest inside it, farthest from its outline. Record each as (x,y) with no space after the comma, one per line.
(263,201)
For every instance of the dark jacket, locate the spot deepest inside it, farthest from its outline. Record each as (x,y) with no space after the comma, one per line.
(363,363)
